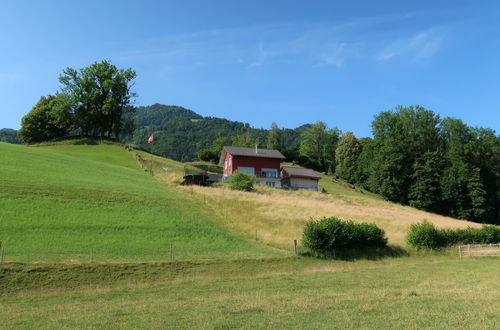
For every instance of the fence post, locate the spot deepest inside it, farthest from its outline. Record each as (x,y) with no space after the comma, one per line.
(468,248)
(295,249)
(460,251)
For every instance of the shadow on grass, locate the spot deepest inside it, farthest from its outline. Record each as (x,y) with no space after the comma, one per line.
(391,251)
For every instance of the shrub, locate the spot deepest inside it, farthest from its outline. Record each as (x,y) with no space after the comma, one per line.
(241,181)
(426,236)
(329,234)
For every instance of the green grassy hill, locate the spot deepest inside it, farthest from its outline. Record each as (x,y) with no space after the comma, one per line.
(59,202)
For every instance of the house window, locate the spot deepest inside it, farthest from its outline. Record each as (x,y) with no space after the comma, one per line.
(247,170)
(269,172)
(270,183)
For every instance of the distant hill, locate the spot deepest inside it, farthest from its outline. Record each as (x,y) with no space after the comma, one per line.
(9,135)
(180,133)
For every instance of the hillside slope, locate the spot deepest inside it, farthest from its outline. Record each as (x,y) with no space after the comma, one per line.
(277,217)
(60,202)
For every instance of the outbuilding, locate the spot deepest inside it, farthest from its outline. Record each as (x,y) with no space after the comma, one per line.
(300,178)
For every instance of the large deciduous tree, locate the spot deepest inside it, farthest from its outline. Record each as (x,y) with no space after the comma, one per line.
(101,95)
(49,119)
(318,145)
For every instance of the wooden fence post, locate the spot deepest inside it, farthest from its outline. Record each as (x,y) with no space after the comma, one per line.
(295,249)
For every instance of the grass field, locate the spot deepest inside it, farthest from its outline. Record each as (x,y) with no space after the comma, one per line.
(60,202)
(416,292)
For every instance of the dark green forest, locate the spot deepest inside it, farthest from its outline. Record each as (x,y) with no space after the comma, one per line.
(9,135)
(181,133)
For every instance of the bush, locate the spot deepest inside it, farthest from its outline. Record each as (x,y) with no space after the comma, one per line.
(241,181)
(426,236)
(329,234)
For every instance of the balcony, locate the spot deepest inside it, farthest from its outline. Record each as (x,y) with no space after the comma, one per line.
(267,175)
(263,174)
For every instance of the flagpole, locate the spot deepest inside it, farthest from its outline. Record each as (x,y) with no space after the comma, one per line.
(150,140)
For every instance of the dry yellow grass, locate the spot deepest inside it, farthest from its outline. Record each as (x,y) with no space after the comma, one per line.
(277,217)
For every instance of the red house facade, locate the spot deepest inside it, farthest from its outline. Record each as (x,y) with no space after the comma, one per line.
(264,164)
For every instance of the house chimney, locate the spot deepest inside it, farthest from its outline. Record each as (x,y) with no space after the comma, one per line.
(256,149)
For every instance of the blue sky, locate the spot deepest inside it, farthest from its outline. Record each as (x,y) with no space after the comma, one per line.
(291,62)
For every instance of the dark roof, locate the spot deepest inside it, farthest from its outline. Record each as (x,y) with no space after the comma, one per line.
(250,152)
(300,172)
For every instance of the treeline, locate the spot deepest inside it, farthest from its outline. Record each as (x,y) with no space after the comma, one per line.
(9,135)
(92,102)
(416,158)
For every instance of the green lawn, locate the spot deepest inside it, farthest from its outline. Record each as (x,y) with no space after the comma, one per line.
(57,203)
(411,292)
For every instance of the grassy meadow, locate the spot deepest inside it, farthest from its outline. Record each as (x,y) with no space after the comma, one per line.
(415,292)
(232,266)
(60,202)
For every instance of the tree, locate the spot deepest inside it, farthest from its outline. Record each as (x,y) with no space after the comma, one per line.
(208,155)
(318,145)
(49,119)
(401,138)
(346,157)
(275,138)
(425,192)
(101,96)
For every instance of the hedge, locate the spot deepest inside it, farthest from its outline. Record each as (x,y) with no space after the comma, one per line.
(426,236)
(329,234)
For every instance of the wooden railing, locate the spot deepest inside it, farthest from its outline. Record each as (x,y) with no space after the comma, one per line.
(479,250)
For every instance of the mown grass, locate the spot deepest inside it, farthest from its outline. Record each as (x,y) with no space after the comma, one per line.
(60,202)
(416,292)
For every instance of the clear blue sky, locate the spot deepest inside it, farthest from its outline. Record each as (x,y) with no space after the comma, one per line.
(291,62)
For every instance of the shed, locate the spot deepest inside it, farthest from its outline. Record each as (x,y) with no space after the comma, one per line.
(300,178)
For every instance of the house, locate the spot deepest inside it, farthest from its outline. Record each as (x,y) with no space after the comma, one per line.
(300,178)
(265,164)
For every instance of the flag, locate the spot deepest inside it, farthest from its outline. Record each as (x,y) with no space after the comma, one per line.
(151,138)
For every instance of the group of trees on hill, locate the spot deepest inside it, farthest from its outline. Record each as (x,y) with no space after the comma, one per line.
(93,102)
(416,158)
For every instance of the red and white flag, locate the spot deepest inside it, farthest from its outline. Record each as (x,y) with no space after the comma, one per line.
(151,138)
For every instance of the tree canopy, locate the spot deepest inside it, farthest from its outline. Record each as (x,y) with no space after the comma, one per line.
(100,98)
(49,119)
